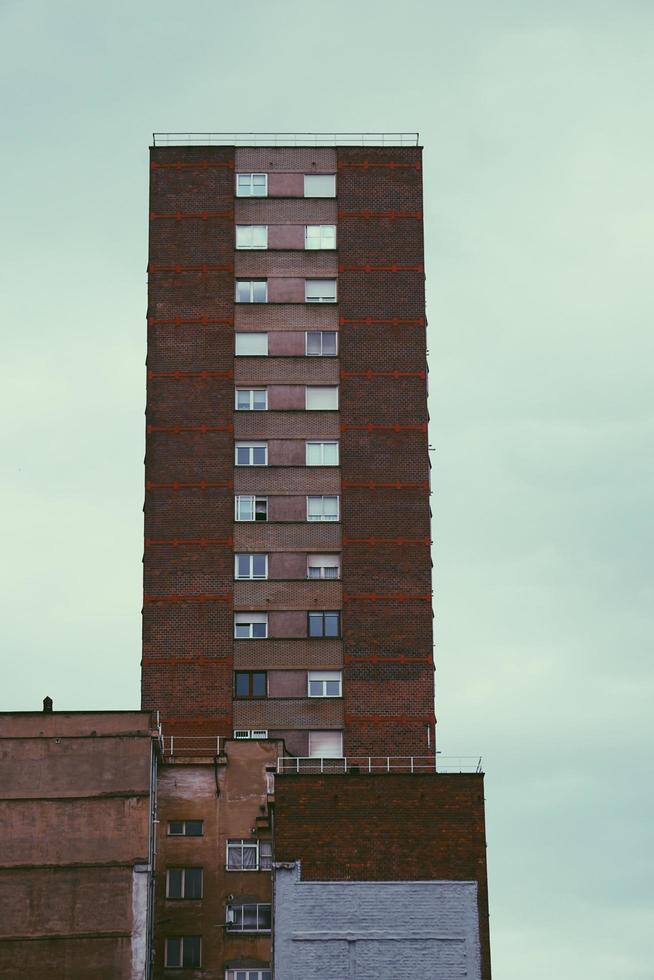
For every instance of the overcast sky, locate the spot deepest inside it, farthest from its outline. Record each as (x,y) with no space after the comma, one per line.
(536,118)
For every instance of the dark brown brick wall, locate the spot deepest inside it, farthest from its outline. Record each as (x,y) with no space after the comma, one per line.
(419,827)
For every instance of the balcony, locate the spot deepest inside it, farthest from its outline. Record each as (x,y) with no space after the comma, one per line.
(374,765)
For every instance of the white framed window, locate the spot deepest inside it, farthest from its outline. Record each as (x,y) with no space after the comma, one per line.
(185,828)
(251,185)
(325,684)
(250,918)
(251,399)
(252,291)
(321,399)
(184,883)
(318,291)
(322,508)
(250,626)
(324,566)
(319,236)
(249,855)
(183,952)
(321,343)
(326,745)
(252,236)
(251,454)
(248,508)
(322,453)
(320,185)
(250,566)
(251,344)
(240,974)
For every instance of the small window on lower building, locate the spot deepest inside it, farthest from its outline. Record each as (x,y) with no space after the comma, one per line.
(322,453)
(319,236)
(248,508)
(251,454)
(240,974)
(183,952)
(253,344)
(250,683)
(249,855)
(321,343)
(252,399)
(185,828)
(250,918)
(250,566)
(184,883)
(252,236)
(251,291)
(324,624)
(322,508)
(324,566)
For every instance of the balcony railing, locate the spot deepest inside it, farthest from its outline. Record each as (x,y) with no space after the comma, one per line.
(285,139)
(176,745)
(312,765)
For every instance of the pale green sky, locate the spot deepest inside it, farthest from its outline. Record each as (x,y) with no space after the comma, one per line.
(537,125)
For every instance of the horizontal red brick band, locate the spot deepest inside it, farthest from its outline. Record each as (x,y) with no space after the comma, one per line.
(202,485)
(387,321)
(389,426)
(384,719)
(381,268)
(383,374)
(194,165)
(180,321)
(192,216)
(389,215)
(188,542)
(179,429)
(385,597)
(388,660)
(186,375)
(173,597)
(204,267)
(187,662)
(426,542)
(370,164)
(396,485)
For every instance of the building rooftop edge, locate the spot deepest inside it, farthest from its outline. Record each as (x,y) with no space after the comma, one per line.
(286,140)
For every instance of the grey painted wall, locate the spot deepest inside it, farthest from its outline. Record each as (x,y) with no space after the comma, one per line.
(372,930)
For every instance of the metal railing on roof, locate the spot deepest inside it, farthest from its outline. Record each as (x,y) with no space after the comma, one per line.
(285,139)
(176,745)
(312,765)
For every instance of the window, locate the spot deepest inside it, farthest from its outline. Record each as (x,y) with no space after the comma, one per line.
(252,236)
(251,345)
(320,236)
(250,683)
(321,343)
(251,185)
(185,828)
(315,291)
(184,883)
(322,508)
(250,566)
(251,454)
(250,626)
(251,508)
(324,684)
(323,399)
(252,291)
(249,855)
(324,566)
(320,185)
(184,952)
(250,918)
(322,453)
(248,975)
(324,624)
(326,745)
(251,399)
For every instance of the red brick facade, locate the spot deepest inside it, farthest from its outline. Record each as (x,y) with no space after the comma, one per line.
(383,532)
(386,827)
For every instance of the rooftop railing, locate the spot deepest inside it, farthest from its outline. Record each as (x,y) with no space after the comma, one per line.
(285,139)
(176,745)
(312,765)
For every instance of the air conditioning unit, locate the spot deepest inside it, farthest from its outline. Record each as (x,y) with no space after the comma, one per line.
(250,733)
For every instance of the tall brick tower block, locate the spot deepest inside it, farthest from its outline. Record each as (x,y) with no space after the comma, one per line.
(287,521)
